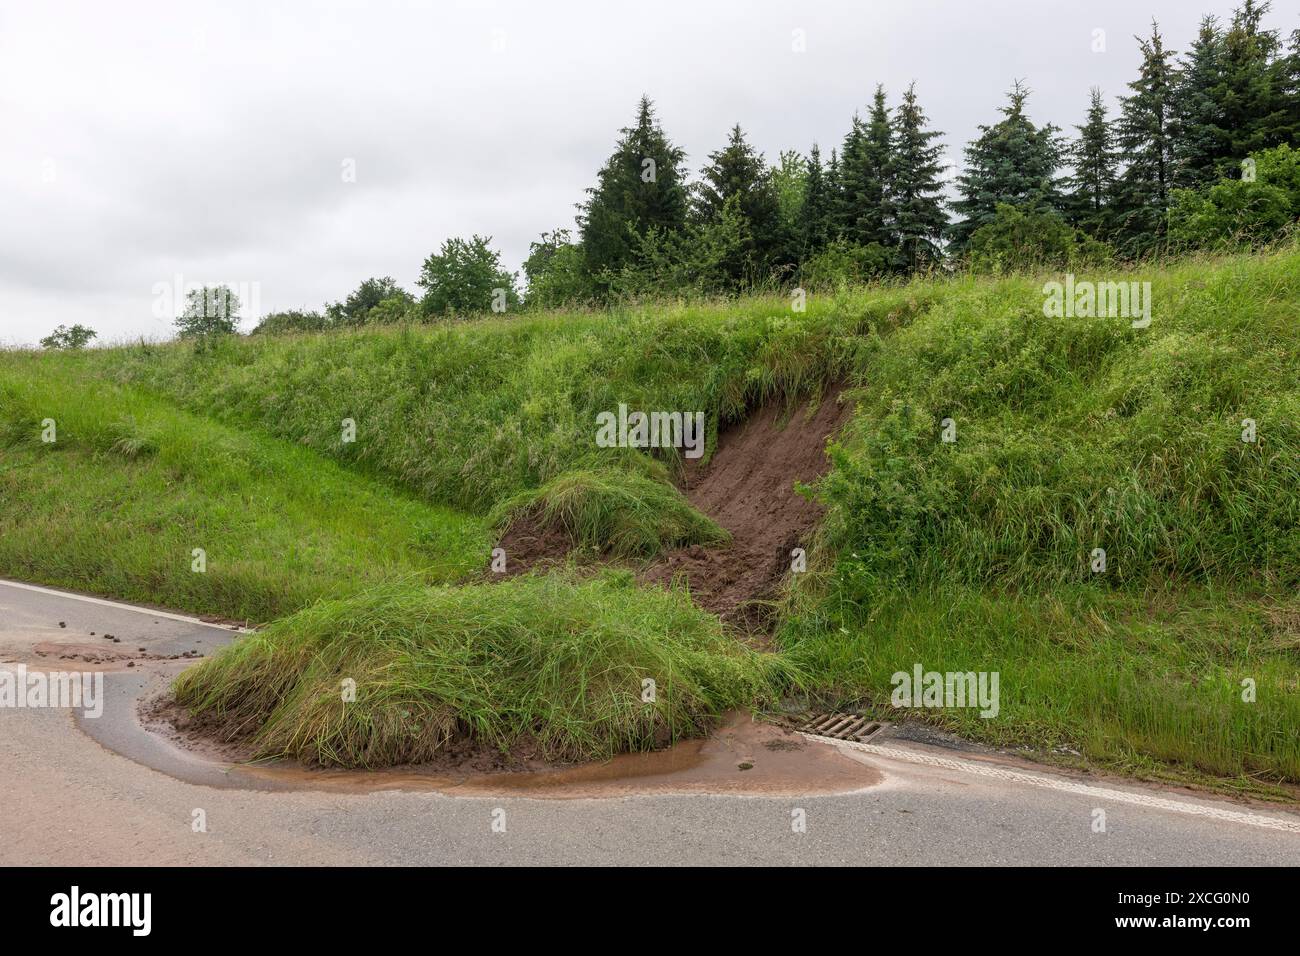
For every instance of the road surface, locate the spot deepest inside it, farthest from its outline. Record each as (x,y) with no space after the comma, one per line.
(70,799)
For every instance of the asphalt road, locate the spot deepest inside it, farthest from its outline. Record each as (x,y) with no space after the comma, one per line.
(69,799)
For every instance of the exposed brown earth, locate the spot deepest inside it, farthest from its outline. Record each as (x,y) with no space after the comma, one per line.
(530,547)
(748,487)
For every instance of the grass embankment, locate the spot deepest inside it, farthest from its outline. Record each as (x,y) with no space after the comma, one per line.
(1072,435)
(499,415)
(490,417)
(131,486)
(1075,435)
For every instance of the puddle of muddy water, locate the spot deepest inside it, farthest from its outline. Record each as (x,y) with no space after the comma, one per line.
(742,757)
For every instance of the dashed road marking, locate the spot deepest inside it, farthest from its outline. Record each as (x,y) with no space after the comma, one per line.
(1066,786)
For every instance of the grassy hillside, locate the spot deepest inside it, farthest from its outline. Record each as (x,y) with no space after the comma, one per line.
(471,413)
(132,485)
(1074,435)
(976,555)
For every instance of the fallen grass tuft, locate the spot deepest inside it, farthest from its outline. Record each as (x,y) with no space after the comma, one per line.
(616,513)
(548,664)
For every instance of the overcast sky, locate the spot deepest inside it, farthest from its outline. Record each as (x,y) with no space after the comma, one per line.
(140,141)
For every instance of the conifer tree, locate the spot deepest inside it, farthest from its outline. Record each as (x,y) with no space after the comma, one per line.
(865,165)
(640,187)
(835,192)
(736,172)
(915,177)
(847,180)
(1093,184)
(1012,162)
(1254,95)
(1144,137)
(815,215)
(1201,145)
(1290,70)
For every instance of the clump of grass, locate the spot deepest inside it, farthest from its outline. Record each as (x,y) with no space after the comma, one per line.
(614,512)
(131,440)
(543,662)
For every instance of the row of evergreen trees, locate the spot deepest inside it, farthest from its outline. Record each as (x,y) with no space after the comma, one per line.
(1164,173)
(1184,123)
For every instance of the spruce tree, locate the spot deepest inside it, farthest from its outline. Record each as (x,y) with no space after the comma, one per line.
(848,181)
(1093,184)
(1012,162)
(865,166)
(815,215)
(640,187)
(915,176)
(835,196)
(1254,95)
(736,172)
(1145,139)
(1201,144)
(1290,69)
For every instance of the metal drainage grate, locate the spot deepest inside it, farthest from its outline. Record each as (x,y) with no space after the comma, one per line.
(843,726)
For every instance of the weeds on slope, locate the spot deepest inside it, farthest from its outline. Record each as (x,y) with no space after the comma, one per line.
(1113,526)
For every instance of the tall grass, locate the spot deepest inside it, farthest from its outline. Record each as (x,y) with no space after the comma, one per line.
(1077,434)
(118,503)
(1072,435)
(470,414)
(1124,680)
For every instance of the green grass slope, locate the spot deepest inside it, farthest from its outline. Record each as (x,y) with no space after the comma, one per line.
(1182,657)
(131,486)
(475,414)
(1075,435)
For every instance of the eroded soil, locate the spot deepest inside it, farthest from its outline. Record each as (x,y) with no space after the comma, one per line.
(748,487)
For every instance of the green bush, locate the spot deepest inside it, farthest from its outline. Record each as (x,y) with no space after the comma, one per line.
(1240,211)
(843,263)
(1019,241)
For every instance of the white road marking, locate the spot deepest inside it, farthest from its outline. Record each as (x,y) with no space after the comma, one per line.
(125,607)
(1066,786)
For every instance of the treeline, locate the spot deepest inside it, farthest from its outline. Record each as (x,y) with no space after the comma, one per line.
(1198,153)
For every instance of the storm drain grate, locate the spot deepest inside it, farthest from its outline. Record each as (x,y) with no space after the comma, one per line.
(842,726)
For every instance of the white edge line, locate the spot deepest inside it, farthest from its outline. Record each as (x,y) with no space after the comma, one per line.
(1067,786)
(126,607)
